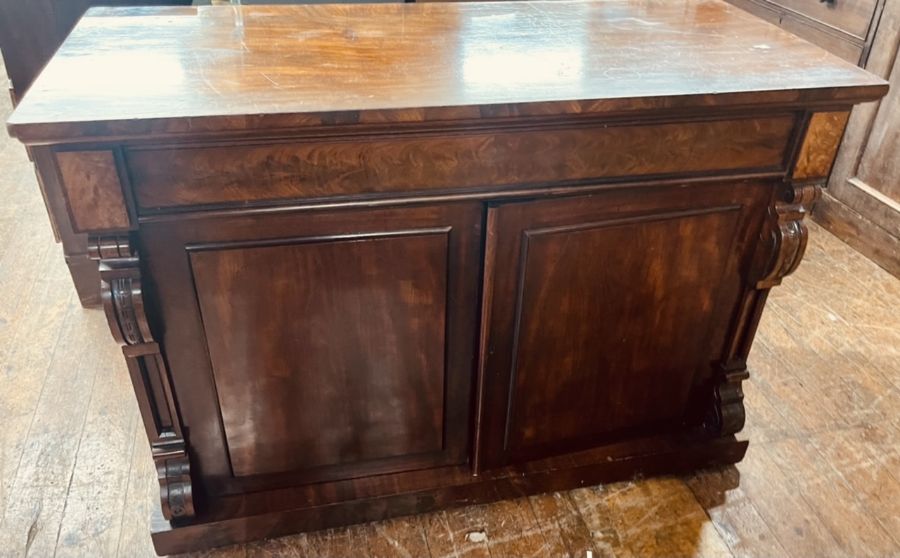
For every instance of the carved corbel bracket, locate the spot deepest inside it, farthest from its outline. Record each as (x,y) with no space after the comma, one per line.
(124,305)
(788,233)
(726,415)
(781,247)
(174,473)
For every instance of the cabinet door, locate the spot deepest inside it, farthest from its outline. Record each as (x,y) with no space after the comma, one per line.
(605,314)
(319,345)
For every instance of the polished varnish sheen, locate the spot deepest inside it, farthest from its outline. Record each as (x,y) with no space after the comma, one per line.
(189,71)
(367,261)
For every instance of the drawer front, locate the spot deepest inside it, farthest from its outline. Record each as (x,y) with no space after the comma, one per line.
(851,16)
(324,169)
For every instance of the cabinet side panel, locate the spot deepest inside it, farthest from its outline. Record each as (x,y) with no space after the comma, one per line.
(820,145)
(93,190)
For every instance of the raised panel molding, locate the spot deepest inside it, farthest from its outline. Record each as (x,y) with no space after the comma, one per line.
(598,260)
(359,321)
(632,250)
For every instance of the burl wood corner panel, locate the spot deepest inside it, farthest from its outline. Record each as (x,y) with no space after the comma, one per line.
(355,278)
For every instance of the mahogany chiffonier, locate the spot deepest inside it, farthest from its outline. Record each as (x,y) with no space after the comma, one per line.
(374,260)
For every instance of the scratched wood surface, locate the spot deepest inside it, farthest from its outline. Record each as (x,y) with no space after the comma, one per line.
(126,73)
(820,478)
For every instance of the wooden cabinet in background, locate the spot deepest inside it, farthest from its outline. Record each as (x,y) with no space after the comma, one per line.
(861,204)
(843,27)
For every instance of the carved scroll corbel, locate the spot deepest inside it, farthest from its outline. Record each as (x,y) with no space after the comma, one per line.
(781,247)
(788,233)
(726,414)
(124,305)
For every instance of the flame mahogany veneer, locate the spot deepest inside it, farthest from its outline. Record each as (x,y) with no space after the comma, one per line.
(374,260)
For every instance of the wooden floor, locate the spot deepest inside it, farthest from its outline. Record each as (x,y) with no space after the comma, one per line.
(821,478)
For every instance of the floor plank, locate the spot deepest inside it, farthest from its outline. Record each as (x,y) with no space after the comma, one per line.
(790,517)
(820,485)
(459,533)
(558,512)
(141,496)
(660,517)
(598,517)
(867,475)
(511,529)
(733,514)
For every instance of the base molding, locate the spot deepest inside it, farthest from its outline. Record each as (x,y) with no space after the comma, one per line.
(647,457)
(863,235)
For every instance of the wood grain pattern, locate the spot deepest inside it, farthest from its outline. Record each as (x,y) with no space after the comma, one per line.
(74,244)
(578,287)
(336,304)
(292,59)
(367,368)
(819,148)
(322,169)
(583,390)
(93,191)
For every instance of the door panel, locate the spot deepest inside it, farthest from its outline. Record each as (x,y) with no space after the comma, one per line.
(605,313)
(347,336)
(314,346)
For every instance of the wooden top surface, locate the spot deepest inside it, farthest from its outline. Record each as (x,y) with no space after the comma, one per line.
(156,71)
